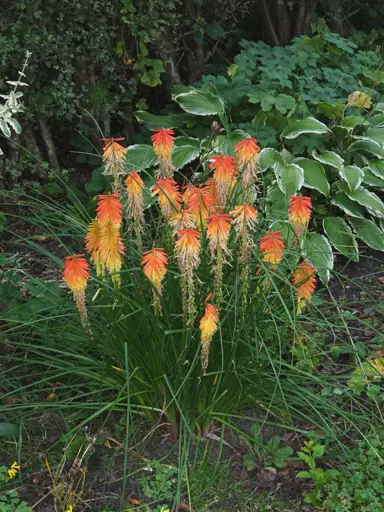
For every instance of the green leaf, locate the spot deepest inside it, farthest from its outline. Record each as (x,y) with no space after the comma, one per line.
(200,103)
(377,167)
(214,30)
(369,233)
(329,158)
(308,125)
(318,251)
(366,198)
(290,178)
(268,158)
(341,237)
(303,474)
(182,155)
(314,175)
(350,207)
(151,78)
(371,179)
(368,145)
(156,122)
(318,451)
(353,175)
(266,99)
(249,462)
(284,102)
(9,429)
(140,156)
(98,182)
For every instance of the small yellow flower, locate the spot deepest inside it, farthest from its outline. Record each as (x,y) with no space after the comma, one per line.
(69,509)
(12,472)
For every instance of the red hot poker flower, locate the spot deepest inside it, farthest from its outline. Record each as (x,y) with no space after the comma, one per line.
(109,209)
(304,281)
(271,247)
(247,150)
(300,209)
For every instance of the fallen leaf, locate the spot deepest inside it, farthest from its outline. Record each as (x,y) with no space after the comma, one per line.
(132,501)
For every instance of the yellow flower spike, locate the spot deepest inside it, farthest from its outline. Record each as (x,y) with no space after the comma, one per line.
(168,195)
(271,247)
(299,214)
(92,245)
(208,327)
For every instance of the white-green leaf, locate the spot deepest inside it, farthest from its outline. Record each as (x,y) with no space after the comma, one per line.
(371,179)
(368,199)
(377,167)
(290,178)
(346,204)
(200,103)
(277,203)
(5,128)
(369,233)
(318,251)
(300,126)
(182,155)
(329,158)
(341,237)
(156,122)
(377,134)
(314,175)
(268,158)
(140,156)
(226,143)
(353,175)
(368,145)
(14,124)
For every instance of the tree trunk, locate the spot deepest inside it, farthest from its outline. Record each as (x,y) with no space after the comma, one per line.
(305,11)
(272,36)
(284,22)
(32,145)
(49,145)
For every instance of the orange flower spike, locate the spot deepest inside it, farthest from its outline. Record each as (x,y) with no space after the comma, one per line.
(163,142)
(245,218)
(218,228)
(113,157)
(187,248)
(208,327)
(224,167)
(199,205)
(304,281)
(76,275)
(155,264)
(300,210)
(271,246)
(169,196)
(247,150)
(75,272)
(109,209)
(212,188)
(92,244)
